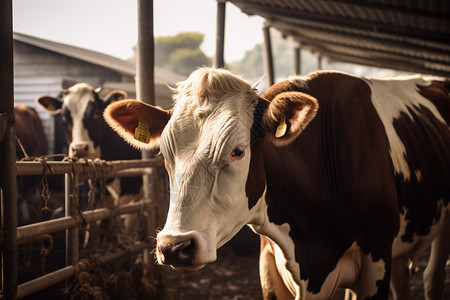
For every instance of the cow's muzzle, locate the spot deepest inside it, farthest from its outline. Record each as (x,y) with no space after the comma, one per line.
(185,251)
(181,253)
(80,150)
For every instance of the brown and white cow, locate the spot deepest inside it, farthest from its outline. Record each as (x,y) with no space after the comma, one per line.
(337,203)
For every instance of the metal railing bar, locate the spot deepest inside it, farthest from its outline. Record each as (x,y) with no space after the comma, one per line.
(68,272)
(96,166)
(135,172)
(30,232)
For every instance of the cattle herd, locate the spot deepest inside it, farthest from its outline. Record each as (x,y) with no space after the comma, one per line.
(345,179)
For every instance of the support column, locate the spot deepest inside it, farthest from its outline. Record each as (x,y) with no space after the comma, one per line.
(319,62)
(8,182)
(145,57)
(267,57)
(220,34)
(297,61)
(145,92)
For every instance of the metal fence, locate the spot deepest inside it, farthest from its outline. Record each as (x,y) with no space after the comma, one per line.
(76,172)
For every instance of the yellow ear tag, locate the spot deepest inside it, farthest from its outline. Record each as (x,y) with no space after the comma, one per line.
(281,129)
(142,133)
(51,107)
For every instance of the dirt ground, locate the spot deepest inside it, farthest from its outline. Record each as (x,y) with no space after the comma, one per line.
(236,277)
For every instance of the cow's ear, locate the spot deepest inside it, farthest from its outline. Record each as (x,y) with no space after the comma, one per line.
(288,115)
(114,95)
(138,123)
(50,104)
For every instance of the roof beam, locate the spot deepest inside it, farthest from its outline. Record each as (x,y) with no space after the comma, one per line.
(288,27)
(377,27)
(399,67)
(440,45)
(393,8)
(386,62)
(358,42)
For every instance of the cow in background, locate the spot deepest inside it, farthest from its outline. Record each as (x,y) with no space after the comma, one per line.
(89,137)
(31,142)
(338,193)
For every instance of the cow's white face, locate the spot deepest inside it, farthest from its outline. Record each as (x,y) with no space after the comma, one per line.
(81,114)
(206,147)
(206,142)
(81,111)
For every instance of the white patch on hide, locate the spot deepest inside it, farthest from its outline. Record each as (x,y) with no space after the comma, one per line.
(419,243)
(394,96)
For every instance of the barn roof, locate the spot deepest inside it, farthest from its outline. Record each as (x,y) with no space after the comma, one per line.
(396,34)
(162,76)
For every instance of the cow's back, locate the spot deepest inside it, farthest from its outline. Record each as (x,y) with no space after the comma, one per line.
(415,114)
(30,131)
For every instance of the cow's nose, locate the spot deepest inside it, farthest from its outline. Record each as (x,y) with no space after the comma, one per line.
(177,254)
(80,150)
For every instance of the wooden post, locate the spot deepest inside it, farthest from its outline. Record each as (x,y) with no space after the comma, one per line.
(8,182)
(297,61)
(145,92)
(267,56)
(319,62)
(220,34)
(145,58)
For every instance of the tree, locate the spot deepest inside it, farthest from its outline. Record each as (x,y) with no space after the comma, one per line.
(180,53)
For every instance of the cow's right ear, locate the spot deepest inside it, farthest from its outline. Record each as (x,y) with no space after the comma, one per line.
(140,124)
(50,104)
(287,116)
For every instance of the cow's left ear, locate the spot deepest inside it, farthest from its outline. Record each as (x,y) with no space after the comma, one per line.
(49,103)
(287,116)
(138,123)
(114,95)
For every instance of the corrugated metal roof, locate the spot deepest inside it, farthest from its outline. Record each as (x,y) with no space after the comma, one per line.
(406,35)
(162,76)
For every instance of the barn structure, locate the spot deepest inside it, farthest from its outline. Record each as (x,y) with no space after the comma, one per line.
(397,34)
(412,36)
(43,67)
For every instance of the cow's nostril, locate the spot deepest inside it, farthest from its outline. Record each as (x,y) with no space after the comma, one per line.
(181,253)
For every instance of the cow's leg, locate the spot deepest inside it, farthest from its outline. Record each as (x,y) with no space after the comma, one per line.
(271,282)
(434,274)
(400,279)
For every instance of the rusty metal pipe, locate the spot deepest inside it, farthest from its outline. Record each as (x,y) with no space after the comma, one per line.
(68,272)
(62,167)
(29,232)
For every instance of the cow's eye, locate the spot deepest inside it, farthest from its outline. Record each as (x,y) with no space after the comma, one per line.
(238,152)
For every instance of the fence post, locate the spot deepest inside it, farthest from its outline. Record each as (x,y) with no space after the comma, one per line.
(8,181)
(72,234)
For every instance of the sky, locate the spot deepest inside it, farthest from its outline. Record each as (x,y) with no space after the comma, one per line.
(110,26)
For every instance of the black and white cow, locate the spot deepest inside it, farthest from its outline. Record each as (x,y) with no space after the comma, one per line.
(338,193)
(89,136)
(87,133)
